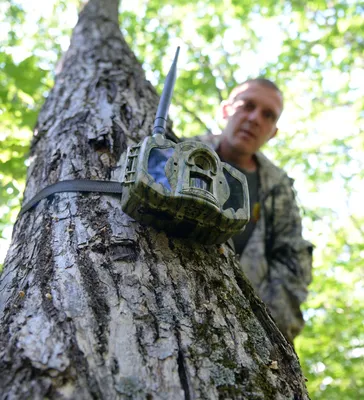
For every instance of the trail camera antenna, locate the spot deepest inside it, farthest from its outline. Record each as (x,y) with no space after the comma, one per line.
(160,121)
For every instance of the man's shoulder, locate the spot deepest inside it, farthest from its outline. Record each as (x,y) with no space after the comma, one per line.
(266,164)
(270,174)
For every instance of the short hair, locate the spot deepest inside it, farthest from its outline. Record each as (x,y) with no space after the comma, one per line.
(261,81)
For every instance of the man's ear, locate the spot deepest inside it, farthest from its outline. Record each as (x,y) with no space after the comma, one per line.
(225,108)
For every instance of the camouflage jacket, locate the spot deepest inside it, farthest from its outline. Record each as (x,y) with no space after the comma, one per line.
(276,259)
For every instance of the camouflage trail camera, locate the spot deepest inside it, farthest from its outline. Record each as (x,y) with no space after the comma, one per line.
(184,189)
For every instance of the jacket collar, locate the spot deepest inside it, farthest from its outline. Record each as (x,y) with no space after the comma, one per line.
(269,174)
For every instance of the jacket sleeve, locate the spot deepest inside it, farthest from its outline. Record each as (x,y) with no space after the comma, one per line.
(289,259)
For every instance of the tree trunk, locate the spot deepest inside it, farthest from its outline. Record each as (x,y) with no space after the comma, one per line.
(94,305)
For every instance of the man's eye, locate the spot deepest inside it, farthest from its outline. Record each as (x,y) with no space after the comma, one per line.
(269,115)
(249,106)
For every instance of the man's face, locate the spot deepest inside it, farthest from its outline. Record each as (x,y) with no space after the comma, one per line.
(251,118)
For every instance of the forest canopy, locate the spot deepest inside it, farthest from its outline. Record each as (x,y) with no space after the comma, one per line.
(312,50)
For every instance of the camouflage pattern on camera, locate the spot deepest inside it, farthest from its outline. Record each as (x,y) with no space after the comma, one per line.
(184,190)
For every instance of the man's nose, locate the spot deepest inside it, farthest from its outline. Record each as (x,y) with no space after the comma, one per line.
(254,116)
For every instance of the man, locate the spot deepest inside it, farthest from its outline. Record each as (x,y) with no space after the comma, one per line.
(272,252)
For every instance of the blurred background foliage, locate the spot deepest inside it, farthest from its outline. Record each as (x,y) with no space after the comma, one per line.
(313,50)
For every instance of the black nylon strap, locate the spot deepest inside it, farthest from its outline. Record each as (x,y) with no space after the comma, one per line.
(74,185)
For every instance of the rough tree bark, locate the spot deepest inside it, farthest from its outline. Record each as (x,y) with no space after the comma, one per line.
(94,305)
